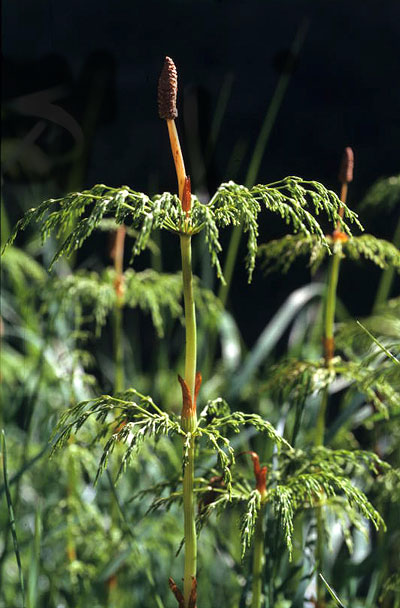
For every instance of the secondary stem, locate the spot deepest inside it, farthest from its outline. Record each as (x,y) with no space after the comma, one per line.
(189,423)
(258,559)
(330,306)
(329,346)
(117,254)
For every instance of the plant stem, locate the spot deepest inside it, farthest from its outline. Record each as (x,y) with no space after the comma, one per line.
(71,488)
(190,313)
(117,253)
(167,91)
(330,306)
(189,423)
(177,155)
(258,559)
(329,346)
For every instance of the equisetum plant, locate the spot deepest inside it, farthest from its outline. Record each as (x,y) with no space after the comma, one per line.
(128,418)
(297,379)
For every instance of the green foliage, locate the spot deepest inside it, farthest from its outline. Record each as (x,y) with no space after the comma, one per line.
(80,213)
(129,418)
(293,377)
(391,586)
(385,193)
(304,480)
(134,418)
(20,266)
(342,485)
(352,336)
(11,523)
(380,252)
(380,345)
(248,522)
(316,479)
(153,292)
(280,254)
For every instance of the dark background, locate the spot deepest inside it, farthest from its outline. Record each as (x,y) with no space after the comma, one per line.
(98,62)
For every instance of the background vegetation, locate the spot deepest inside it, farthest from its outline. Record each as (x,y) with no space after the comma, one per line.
(270,91)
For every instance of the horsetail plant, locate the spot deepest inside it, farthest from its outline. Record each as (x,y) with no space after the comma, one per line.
(129,417)
(297,380)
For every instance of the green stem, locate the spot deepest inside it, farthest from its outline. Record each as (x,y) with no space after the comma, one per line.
(230,263)
(329,323)
(71,490)
(189,423)
(258,560)
(320,425)
(330,306)
(190,313)
(319,553)
(329,320)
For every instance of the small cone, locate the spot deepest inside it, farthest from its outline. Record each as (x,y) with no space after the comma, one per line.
(167,91)
(346,167)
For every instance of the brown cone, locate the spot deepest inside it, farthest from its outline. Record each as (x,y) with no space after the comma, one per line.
(167,91)
(346,167)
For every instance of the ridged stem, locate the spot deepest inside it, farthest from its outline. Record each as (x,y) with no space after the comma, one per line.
(329,321)
(189,423)
(258,560)
(118,255)
(331,299)
(119,375)
(177,155)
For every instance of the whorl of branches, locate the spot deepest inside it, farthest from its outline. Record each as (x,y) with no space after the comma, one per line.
(294,199)
(154,293)
(280,254)
(291,378)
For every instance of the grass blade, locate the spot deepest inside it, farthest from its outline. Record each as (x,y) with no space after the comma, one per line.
(385,350)
(332,593)
(11,515)
(24,468)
